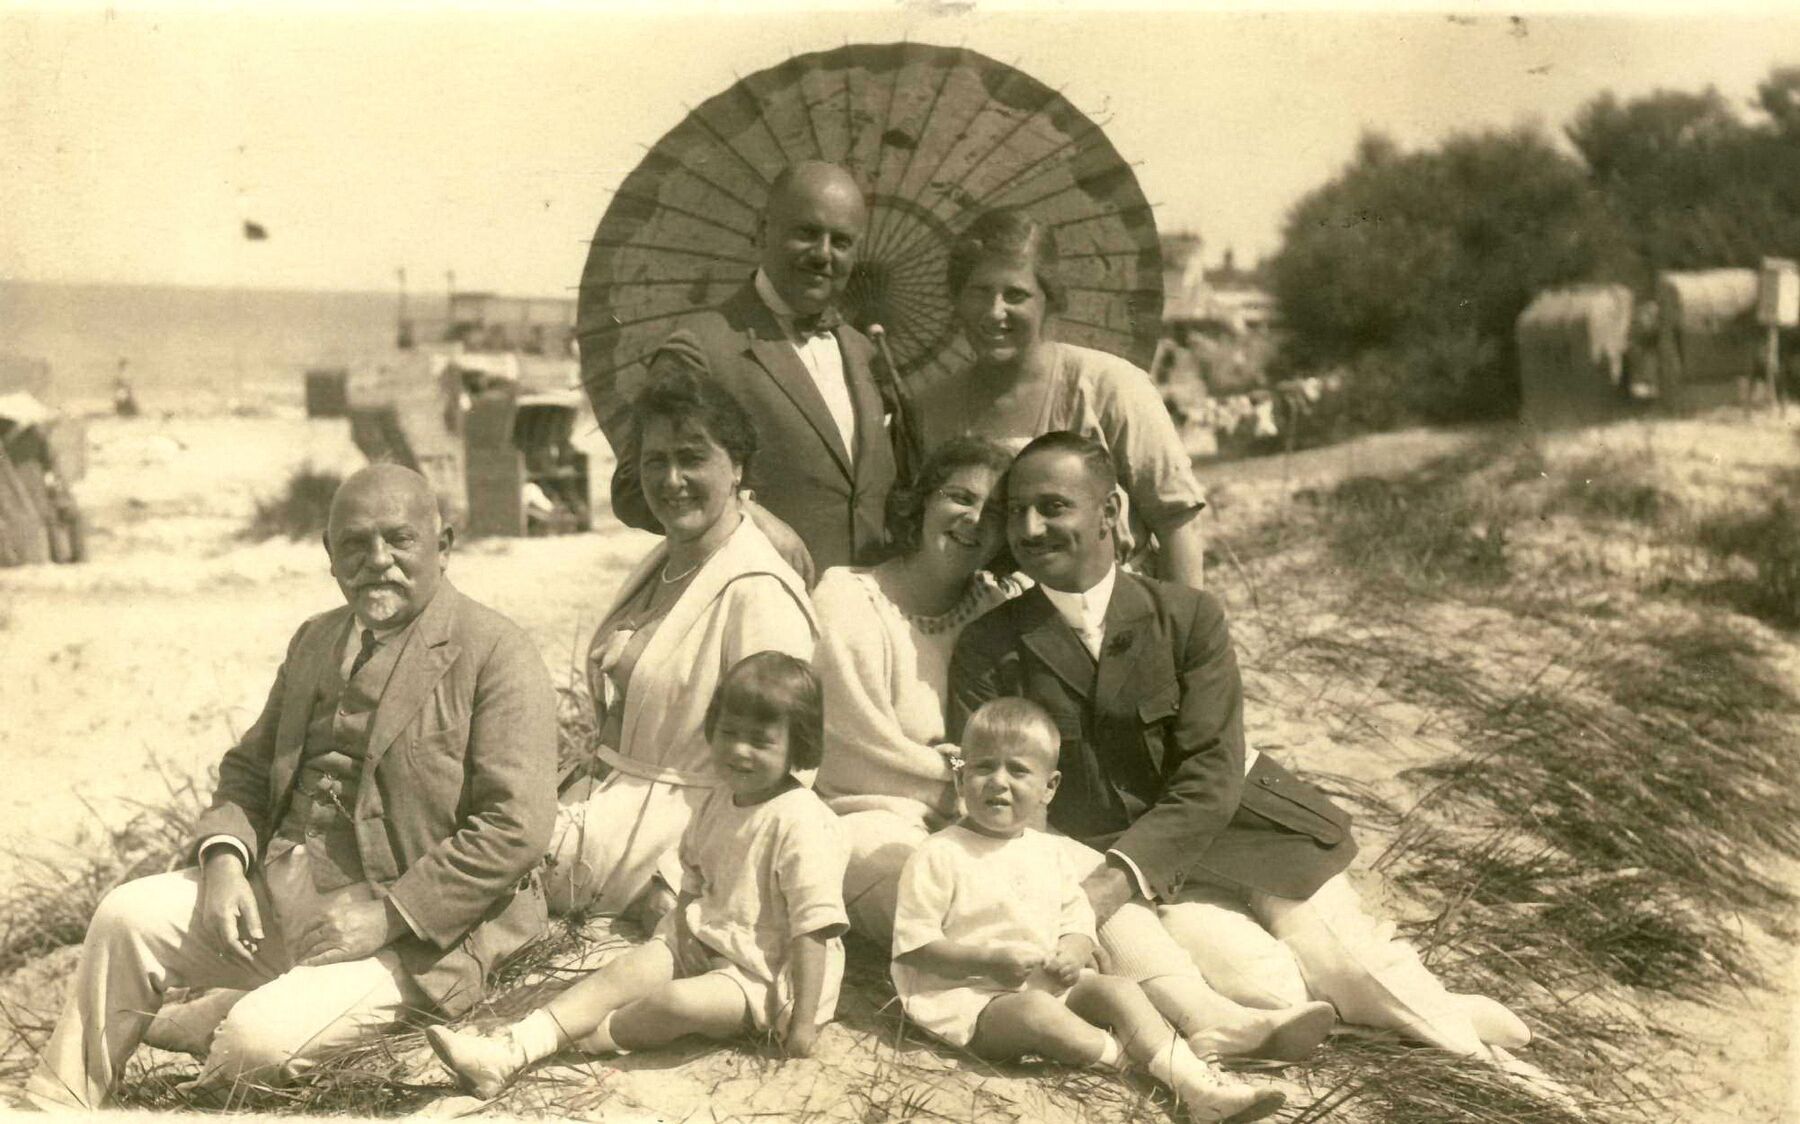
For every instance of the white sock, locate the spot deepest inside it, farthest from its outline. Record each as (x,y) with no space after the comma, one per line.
(1112,1055)
(602,1041)
(537,1035)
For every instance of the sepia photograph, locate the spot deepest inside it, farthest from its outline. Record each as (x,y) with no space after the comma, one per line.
(929,560)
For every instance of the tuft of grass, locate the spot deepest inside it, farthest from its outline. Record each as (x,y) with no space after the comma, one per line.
(300,511)
(53,897)
(1768,538)
(1427,527)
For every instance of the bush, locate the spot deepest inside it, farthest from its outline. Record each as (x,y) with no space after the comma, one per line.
(300,511)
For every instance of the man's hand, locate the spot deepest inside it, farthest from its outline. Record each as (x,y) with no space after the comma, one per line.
(1010,965)
(1107,889)
(782,537)
(228,913)
(349,932)
(1073,952)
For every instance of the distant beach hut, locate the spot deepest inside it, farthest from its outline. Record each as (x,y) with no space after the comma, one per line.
(1708,338)
(1572,345)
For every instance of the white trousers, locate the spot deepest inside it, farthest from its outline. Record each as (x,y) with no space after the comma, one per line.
(144,939)
(881,840)
(1270,952)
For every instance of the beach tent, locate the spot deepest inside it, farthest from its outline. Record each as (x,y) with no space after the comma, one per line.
(1708,338)
(39,521)
(1572,343)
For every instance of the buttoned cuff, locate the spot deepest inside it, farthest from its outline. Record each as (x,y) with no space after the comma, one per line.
(231,841)
(1137,876)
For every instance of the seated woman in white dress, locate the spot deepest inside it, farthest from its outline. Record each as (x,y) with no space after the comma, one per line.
(712,592)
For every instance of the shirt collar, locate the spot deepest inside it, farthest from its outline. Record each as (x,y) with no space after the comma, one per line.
(382,635)
(785,315)
(1086,610)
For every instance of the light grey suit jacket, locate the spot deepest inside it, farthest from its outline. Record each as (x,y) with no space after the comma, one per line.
(458,790)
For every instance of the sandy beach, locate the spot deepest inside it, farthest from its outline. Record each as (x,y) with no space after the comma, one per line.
(137,669)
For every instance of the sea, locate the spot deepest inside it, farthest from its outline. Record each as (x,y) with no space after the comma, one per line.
(187,349)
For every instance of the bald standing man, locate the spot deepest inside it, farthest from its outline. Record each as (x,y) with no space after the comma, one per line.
(781,348)
(370,852)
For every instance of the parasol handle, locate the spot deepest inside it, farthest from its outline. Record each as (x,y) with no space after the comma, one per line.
(909,450)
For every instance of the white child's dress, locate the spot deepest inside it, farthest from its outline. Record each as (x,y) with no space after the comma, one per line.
(963,886)
(762,876)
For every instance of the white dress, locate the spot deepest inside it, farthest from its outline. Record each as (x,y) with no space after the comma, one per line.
(762,876)
(963,886)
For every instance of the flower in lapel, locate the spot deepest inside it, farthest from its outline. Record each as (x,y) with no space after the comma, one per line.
(1118,642)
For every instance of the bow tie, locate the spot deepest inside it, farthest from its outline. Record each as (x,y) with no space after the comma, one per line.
(818,324)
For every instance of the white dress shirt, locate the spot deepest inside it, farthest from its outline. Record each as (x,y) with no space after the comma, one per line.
(820,355)
(1085,612)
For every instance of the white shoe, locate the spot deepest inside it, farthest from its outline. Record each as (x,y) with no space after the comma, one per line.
(1290,1034)
(1224,1101)
(1496,1024)
(187,1027)
(481,1065)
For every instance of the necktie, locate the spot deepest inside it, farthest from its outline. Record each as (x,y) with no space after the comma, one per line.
(363,654)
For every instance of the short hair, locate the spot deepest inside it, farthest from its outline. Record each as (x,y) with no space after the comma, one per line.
(1009,721)
(680,396)
(1011,234)
(904,519)
(1095,457)
(775,687)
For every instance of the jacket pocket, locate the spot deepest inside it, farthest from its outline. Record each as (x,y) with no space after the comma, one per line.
(1156,714)
(1277,795)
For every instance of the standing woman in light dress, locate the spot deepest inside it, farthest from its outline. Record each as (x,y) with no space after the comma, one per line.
(886,633)
(1005,283)
(712,592)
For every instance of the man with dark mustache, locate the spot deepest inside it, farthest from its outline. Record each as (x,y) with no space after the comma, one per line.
(369,851)
(780,347)
(1216,859)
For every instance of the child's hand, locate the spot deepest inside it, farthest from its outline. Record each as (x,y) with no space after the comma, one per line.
(1012,964)
(800,1040)
(1072,955)
(691,957)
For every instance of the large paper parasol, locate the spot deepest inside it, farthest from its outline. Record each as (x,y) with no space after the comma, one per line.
(936,135)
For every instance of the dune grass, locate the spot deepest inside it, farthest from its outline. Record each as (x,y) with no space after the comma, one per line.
(300,511)
(1593,844)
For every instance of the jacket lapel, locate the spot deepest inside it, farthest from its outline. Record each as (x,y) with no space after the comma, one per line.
(302,684)
(1127,639)
(427,655)
(769,346)
(1054,643)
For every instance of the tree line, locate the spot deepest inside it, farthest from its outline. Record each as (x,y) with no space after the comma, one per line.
(1409,269)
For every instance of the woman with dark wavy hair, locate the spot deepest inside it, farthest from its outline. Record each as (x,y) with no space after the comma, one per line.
(884,658)
(1006,282)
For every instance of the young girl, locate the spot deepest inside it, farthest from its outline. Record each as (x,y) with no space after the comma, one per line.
(993,934)
(752,943)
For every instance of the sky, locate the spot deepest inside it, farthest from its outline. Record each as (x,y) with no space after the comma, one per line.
(134,141)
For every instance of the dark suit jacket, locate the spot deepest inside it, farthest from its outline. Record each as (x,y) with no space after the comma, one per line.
(458,791)
(1153,741)
(802,472)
